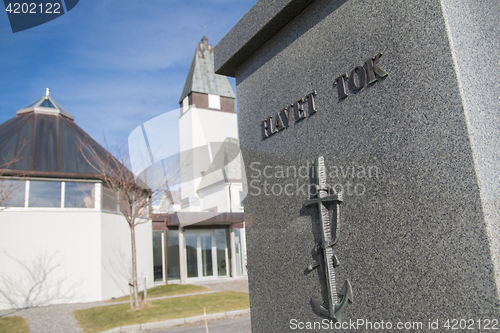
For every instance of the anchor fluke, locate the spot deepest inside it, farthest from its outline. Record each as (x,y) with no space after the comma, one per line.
(346,298)
(337,314)
(319,308)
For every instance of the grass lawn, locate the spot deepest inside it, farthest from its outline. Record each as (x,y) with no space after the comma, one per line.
(14,325)
(166,290)
(106,317)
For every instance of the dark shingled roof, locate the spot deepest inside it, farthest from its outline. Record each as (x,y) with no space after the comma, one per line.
(47,141)
(201,76)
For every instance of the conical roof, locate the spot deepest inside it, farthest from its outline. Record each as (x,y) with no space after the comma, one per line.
(44,141)
(201,76)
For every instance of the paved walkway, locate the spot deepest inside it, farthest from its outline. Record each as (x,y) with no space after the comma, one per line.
(239,284)
(59,318)
(52,318)
(233,325)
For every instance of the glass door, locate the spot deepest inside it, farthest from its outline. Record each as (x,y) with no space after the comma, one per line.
(202,254)
(158,256)
(205,241)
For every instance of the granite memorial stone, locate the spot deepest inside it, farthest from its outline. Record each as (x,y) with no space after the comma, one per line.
(370,133)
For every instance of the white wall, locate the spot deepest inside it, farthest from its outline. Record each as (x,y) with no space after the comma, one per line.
(218,196)
(197,128)
(65,245)
(144,240)
(117,255)
(215,196)
(85,255)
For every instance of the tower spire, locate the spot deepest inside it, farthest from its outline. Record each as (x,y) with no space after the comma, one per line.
(204,40)
(204,28)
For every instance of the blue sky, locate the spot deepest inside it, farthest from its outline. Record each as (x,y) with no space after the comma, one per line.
(112,64)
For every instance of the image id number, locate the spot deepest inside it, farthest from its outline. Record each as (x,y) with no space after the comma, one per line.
(471,324)
(33,8)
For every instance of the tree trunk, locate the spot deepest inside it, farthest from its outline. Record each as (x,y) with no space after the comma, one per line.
(134,267)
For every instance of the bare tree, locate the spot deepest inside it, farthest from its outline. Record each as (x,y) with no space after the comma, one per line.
(124,194)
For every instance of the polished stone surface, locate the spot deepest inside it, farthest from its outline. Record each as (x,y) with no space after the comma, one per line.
(419,234)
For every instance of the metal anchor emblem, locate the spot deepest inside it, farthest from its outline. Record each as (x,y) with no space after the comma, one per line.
(337,302)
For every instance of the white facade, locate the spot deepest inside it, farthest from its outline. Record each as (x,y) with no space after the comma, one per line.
(68,255)
(202,133)
(225,196)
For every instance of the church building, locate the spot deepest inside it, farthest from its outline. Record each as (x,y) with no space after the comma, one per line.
(204,238)
(62,237)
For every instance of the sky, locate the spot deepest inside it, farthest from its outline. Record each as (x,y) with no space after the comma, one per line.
(112,64)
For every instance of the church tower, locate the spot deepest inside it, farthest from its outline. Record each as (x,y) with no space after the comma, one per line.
(207,125)
(205,237)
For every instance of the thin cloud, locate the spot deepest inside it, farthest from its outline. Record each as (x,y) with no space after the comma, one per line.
(112,64)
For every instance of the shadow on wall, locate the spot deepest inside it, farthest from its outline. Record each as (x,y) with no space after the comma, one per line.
(118,267)
(37,282)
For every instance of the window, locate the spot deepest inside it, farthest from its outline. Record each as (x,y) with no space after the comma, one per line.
(12,192)
(109,201)
(39,193)
(159,255)
(44,194)
(222,252)
(213,101)
(241,199)
(47,104)
(173,267)
(49,194)
(185,104)
(239,252)
(79,195)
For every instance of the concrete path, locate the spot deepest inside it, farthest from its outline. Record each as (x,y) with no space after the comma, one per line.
(52,318)
(234,325)
(60,319)
(239,284)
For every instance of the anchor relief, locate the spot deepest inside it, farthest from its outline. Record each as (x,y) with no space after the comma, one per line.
(328,204)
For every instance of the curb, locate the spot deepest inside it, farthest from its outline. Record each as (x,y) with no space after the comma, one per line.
(176,322)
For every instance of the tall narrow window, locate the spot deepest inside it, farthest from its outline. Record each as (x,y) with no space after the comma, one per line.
(239,252)
(206,254)
(222,253)
(173,270)
(158,255)
(191,255)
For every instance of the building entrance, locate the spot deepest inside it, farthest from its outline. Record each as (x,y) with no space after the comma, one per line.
(206,253)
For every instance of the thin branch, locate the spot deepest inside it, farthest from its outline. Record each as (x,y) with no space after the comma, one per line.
(8,189)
